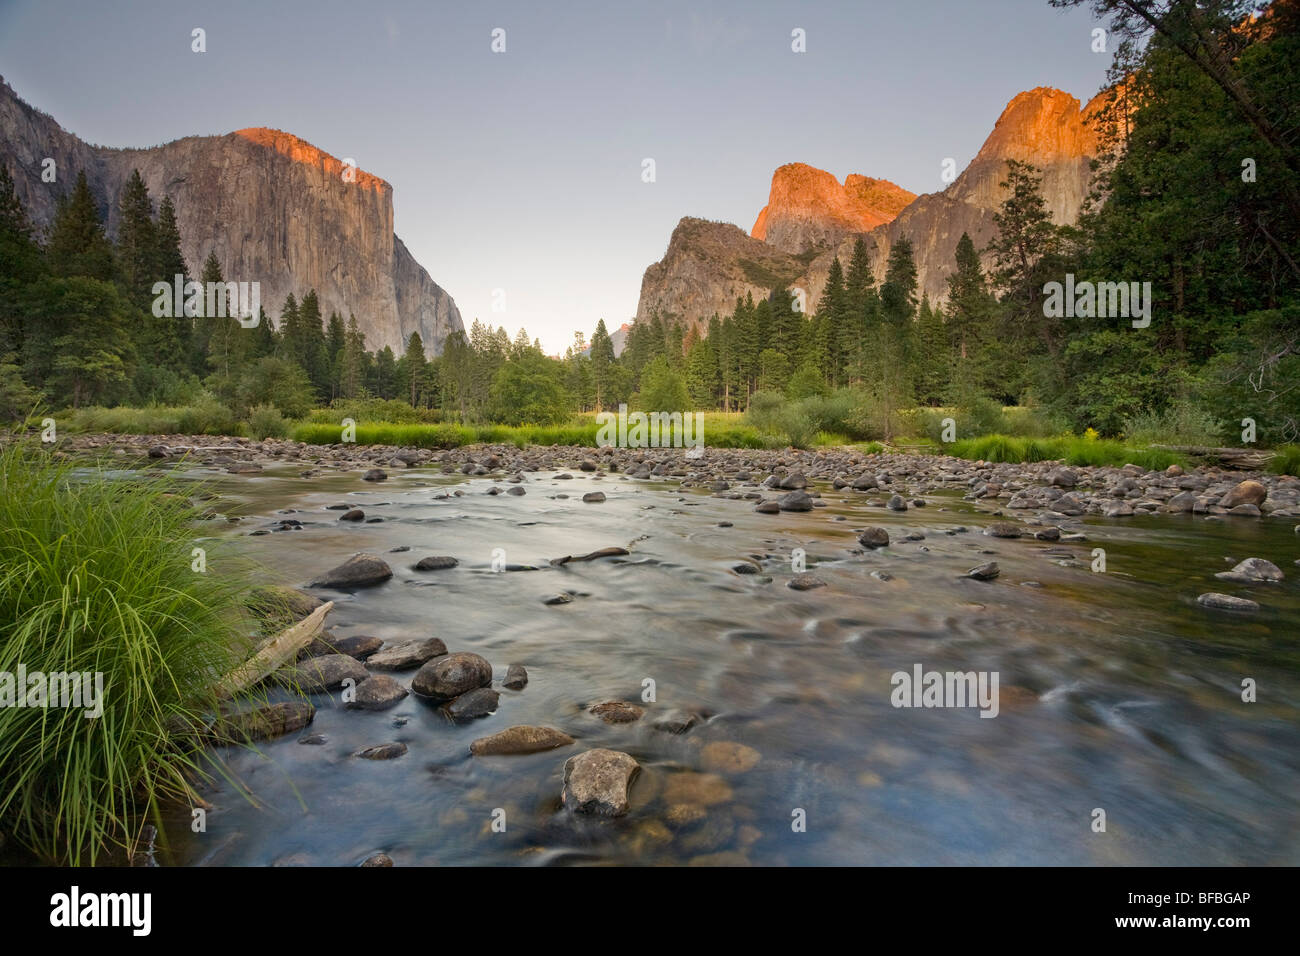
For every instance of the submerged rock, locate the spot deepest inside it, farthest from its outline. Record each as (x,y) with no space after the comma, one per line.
(318,674)
(265,722)
(1226,602)
(387,751)
(617,712)
(805,582)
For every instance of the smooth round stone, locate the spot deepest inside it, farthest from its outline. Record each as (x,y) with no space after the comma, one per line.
(446,678)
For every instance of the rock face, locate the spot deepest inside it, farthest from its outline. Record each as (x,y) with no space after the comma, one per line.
(274,209)
(810,218)
(807,207)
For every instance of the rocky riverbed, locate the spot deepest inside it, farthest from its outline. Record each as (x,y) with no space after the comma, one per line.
(556,655)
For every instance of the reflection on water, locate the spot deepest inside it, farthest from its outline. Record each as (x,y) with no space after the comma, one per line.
(1117,691)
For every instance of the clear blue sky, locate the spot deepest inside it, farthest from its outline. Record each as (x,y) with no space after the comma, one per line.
(522,170)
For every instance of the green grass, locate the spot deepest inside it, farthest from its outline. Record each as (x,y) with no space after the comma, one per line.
(96,576)
(208,418)
(1286,460)
(720,434)
(1071,450)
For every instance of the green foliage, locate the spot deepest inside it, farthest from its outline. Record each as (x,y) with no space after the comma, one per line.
(1073,451)
(265,421)
(529,391)
(278,382)
(95,576)
(663,389)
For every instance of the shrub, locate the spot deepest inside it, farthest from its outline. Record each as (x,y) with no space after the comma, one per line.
(208,417)
(265,421)
(95,576)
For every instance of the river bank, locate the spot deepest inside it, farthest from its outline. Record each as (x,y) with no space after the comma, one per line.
(1073,490)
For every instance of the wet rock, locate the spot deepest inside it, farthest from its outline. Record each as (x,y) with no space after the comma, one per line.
(516,677)
(523,739)
(745,567)
(795,501)
(356,514)
(805,582)
(1048,534)
(896,503)
(264,722)
(479,702)
(1245,493)
(873,538)
(793,482)
(1003,529)
(446,678)
(594,497)
(1253,570)
(159,451)
(360,570)
(984,572)
(404,655)
(314,740)
(387,751)
(244,468)
(864,483)
(437,562)
(617,712)
(319,674)
(1226,602)
(358,646)
(379,859)
(698,789)
(378,692)
(375,474)
(597,781)
(1246,510)
(676,721)
(1118,509)
(768,507)
(556,599)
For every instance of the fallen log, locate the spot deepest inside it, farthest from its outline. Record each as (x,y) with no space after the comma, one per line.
(274,653)
(1245,459)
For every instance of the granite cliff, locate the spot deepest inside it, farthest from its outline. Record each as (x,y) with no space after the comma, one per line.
(274,209)
(810,218)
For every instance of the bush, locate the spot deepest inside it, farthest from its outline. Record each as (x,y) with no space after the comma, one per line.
(265,421)
(209,417)
(95,576)
(1183,423)
(373,410)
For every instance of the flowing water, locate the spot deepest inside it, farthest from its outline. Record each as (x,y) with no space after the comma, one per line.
(1116,690)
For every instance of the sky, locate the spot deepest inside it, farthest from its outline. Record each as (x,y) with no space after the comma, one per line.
(522,170)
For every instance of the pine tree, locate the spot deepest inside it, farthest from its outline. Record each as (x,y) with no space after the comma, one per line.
(167,263)
(137,243)
(602,362)
(411,371)
(77,244)
(335,341)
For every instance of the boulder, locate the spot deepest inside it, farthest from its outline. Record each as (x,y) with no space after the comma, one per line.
(446,678)
(359,571)
(597,782)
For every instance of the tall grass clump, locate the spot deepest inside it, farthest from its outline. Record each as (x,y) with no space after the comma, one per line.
(1285,460)
(96,577)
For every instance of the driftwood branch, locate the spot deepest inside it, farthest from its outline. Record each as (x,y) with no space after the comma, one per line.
(275,652)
